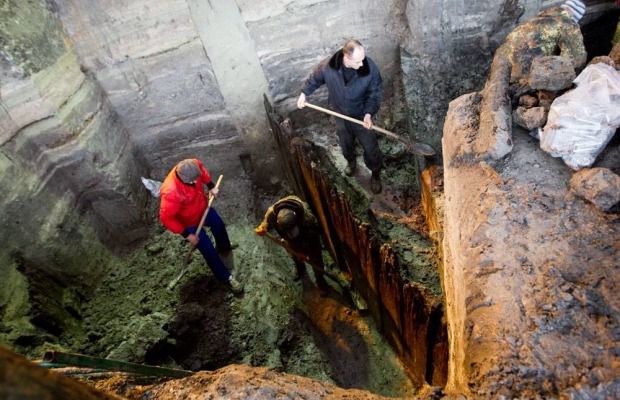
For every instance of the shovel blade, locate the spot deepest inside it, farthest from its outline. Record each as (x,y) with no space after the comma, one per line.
(176,280)
(422,149)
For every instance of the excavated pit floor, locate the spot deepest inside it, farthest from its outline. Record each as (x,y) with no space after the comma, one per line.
(278,323)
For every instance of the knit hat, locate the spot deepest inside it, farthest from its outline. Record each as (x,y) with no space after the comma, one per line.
(287,222)
(188,171)
(576,8)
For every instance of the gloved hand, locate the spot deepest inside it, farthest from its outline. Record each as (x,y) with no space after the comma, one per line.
(301,101)
(261,230)
(214,191)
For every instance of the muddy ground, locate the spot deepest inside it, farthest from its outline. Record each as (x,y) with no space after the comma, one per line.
(278,323)
(200,325)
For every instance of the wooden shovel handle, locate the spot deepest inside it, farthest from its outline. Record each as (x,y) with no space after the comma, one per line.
(356,121)
(202,221)
(416,147)
(204,215)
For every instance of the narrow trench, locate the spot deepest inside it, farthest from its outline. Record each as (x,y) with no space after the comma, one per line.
(407,314)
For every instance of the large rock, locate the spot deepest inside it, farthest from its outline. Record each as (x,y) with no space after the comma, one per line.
(530,118)
(599,186)
(551,73)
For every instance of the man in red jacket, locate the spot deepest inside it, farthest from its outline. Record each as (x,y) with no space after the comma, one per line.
(183,201)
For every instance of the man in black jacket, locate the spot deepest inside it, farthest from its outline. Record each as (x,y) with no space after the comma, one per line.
(355,89)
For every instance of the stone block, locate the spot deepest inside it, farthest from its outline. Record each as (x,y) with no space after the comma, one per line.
(530,118)
(599,186)
(551,73)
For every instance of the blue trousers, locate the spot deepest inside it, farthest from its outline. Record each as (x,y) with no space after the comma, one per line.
(209,253)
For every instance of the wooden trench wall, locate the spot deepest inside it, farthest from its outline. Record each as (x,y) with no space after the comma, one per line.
(408,314)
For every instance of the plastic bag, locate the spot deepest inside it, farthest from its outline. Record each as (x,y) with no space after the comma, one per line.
(582,121)
(151,185)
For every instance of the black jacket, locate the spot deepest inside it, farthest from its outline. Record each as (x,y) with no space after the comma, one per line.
(362,95)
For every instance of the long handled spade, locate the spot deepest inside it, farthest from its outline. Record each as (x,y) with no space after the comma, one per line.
(288,248)
(188,257)
(344,283)
(340,280)
(414,146)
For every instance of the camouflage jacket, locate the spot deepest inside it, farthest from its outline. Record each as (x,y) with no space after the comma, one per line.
(550,33)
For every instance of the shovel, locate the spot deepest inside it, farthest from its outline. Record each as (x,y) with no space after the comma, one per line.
(335,277)
(188,257)
(288,248)
(414,146)
(344,283)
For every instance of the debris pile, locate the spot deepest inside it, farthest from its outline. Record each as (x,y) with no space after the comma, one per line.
(574,113)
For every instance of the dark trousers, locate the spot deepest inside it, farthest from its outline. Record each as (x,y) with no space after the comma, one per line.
(309,244)
(218,228)
(347,132)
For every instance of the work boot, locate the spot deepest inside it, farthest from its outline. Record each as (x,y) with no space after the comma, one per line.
(300,270)
(351,168)
(235,286)
(375,182)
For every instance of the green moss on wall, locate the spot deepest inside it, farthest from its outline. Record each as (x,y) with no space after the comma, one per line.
(14,303)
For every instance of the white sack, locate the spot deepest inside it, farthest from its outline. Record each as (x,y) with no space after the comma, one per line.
(152,186)
(582,121)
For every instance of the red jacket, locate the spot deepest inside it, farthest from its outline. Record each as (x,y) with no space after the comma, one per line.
(182,205)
